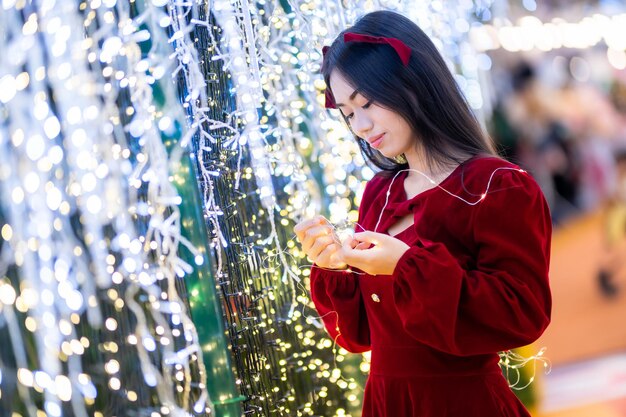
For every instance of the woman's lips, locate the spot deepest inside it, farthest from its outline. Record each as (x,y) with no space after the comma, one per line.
(376,142)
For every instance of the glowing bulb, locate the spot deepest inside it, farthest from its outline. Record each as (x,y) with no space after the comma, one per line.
(94,204)
(115,384)
(150,379)
(149,344)
(42,379)
(112,367)
(111,324)
(7,294)
(25,377)
(31,182)
(7,232)
(53,409)
(7,88)
(35,147)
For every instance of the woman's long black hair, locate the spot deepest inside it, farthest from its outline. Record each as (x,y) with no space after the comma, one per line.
(424,92)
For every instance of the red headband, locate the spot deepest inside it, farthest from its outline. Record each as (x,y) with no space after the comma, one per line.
(403,51)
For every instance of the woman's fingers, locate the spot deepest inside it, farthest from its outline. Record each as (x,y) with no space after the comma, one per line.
(370,237)
(378,260)
(314,233)
(318,223)
(374,253)
(331,257)
(355,244)
(356,257)
(301,228)
(320,245)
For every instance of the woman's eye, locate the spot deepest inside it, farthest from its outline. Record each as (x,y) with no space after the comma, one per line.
(365,106)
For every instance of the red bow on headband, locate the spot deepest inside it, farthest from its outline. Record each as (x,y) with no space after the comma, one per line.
(403,51)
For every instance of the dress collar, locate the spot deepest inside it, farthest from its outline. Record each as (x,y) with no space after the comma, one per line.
(399,206)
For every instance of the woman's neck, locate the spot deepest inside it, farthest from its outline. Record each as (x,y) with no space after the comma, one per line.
(418,161)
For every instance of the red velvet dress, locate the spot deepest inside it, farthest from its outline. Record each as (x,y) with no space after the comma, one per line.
(473,283)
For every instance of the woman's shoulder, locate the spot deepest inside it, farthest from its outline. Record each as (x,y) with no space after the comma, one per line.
(492,174)
(493,167)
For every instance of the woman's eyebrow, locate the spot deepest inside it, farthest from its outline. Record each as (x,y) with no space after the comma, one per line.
(354,93)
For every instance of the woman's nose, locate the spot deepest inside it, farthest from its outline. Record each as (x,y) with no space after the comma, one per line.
(361,124)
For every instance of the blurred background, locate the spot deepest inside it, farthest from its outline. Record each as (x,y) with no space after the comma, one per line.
(556,85)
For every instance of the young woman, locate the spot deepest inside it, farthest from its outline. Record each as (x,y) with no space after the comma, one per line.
(449,264)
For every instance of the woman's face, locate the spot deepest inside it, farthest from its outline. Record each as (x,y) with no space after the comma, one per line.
(384,129)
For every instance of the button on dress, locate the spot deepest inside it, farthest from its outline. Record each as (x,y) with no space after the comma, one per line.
(473,283)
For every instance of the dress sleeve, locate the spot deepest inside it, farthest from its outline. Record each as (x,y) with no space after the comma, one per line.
(504,301)
(337,296)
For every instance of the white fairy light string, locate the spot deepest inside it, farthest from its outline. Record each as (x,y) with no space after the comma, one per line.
(273,149)
(512,363)
(69,164)
(163,227)
(483,195)
(188,62)
(236,28)
(249,95)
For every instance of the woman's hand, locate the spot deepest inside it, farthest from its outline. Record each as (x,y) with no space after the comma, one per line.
(379,259)
(320,243)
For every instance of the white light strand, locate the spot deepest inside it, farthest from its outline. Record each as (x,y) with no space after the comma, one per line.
(69,158)
(483,195)
(236,28)
(186,56)
(164,226)
(513,362)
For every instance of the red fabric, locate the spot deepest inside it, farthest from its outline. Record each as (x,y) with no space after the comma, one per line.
(473,283)
(403,51)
